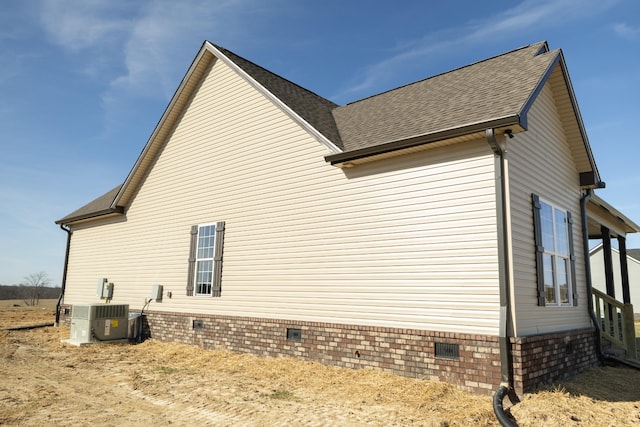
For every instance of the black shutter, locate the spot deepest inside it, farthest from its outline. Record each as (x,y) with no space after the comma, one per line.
(537,231)
(192,259)
(216,288)
(572,258)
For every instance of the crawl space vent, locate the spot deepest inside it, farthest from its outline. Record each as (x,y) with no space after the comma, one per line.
(447,351)
(294,334)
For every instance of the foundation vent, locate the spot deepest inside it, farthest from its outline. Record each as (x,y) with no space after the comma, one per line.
(294,334)
(447,351)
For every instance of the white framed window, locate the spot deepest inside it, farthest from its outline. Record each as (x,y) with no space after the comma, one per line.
(554,254)
(205,259)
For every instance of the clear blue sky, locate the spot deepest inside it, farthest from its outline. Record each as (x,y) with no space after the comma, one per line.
(83,83)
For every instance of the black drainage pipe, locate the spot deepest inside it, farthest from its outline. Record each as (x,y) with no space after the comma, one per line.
(25,328)
(498,407)
(504,263)
(63,285)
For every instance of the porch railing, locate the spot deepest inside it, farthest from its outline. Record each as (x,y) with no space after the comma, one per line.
(616,322)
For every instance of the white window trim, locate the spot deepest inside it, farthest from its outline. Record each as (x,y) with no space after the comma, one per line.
(554,256)
(197,259)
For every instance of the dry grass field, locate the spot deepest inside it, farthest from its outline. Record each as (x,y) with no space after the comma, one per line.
(47,382)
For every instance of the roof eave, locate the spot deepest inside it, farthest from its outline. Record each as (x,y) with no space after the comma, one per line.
(347,156)
(536,91)
(590,179)
(109,211)
(631,227)
(597,180)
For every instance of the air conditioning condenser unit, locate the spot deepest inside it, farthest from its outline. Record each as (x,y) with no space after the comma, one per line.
(99,322)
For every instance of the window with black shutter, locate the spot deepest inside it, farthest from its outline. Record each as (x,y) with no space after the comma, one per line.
(555,258)
(205,259)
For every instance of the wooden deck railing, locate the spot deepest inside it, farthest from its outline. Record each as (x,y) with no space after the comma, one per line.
(616,322)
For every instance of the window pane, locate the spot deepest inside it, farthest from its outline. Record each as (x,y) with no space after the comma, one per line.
(204,274)
(562,240)
(546,222)
(554,228)
(549,274)
(206,241)
(563,280)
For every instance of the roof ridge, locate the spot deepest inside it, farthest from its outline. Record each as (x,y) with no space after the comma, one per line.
(541,43)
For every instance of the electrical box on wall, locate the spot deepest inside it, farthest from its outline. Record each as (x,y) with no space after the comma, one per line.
(100,287)
(156,293)
(104,289)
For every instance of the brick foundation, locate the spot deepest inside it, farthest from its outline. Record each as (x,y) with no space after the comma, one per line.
(469,361)
(542,359)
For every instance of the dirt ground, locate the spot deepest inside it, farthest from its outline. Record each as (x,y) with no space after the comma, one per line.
(46,382)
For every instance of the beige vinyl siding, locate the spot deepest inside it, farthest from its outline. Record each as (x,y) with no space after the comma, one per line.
(408,242)
(167,121)
(540,162)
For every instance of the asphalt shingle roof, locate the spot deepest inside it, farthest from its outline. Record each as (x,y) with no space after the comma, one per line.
(487,90)
(99,206)
(313,108)
(490,89)
(634,253)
